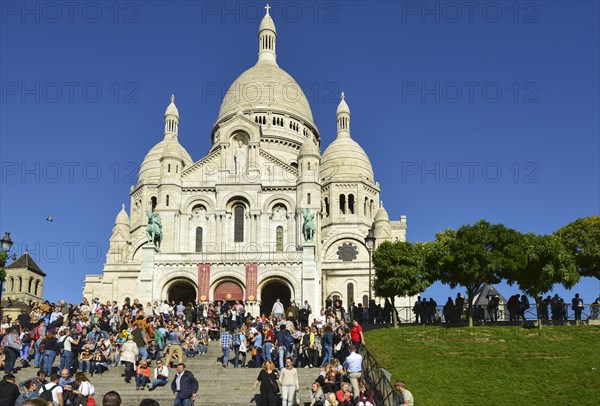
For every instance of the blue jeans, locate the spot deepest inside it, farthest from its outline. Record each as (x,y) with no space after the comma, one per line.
(37,356)
(85,366)
(259,357)
(144,353)
(268,349)
(11,356)
(66,360)
(159,382)
(25,352)
(282,353)
(47,360)
(182,402)
(327,356)
(141,380)
(226,351)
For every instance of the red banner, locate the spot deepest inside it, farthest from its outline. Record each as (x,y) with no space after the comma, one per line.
(203,282)
(251,282)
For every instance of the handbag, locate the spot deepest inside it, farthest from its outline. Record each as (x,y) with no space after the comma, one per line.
(297,398)
(253,351)
(274,384)
(243,347)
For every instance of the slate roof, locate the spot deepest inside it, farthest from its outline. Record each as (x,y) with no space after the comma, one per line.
(25,261)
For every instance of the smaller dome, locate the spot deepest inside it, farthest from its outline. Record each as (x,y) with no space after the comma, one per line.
(122,217)
(309,148)
(345,159)
(381,215)
(267,23)
(171,108)
(150,168)
(343,106)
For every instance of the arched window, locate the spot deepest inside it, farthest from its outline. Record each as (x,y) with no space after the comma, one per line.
(199,239)
(371,208)
(327,206)
(308,165)
(169,168)
(29,285)
(351,204)
(153,202)
(365,300)
(343,204)
(37,285)
(12,284)
(238,235)
(279,239)
(308,198)
(366,203)
(20,284)
(350,295)
(167,201)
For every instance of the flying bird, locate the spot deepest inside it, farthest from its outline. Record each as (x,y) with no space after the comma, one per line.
(49,218)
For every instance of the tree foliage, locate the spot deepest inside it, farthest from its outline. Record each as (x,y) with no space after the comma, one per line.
(472,256)
(3,258)
(582,238)
(545,262)
(399,270)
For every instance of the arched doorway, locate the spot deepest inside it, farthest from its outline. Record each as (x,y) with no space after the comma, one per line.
(272,291)
(229,291)
(182,290)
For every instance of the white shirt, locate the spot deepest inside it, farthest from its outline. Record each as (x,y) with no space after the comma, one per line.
(164,371)
(55,391)
(178,381)
(164,308)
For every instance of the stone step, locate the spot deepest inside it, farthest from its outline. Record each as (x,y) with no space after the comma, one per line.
(218,386)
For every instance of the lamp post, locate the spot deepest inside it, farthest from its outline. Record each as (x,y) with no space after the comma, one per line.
(5,245)
(370,243)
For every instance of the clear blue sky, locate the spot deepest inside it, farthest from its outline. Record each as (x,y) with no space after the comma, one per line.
(467,112)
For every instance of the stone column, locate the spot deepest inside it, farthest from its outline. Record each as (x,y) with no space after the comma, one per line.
(145,281)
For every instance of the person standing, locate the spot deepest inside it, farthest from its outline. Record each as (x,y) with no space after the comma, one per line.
(577,306)
(407,397)
(50,344)
(353,365)
(356,335)
(184,386)
(269,388)
(129,353)
(175,339)
(289,382)
(66,358)
(12,347)
(277,309)
(226,342)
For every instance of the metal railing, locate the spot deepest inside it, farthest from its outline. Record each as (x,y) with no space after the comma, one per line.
(482,313)
(379,380)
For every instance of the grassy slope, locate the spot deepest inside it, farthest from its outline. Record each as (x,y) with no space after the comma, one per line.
(493,365)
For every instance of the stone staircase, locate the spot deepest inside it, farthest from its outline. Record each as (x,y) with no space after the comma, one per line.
(217,385)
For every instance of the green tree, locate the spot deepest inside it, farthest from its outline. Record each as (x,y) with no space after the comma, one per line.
(399,271)
(582,238)
(471,257)
(544,262)
(3,258)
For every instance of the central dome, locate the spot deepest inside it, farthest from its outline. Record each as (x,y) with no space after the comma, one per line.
(266,86)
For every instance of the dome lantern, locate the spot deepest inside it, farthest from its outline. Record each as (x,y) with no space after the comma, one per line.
(343,118)
(172,119)
(267,38)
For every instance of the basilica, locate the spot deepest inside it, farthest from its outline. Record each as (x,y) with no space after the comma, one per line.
(263,216)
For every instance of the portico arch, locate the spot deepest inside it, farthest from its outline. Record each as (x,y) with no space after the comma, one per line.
(181,289)
(272,289)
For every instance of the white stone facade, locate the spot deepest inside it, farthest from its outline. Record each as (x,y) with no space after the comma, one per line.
(241,203)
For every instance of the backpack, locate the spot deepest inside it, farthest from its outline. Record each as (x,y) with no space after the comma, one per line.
(288,340)
(26,339)
(46,394)
(61,345)
(34,334)
(236,340)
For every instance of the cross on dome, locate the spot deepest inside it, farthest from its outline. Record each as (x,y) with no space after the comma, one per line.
(343,96)
(172,98)
(267,7)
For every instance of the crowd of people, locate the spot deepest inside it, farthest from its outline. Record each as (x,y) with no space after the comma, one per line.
(149,340)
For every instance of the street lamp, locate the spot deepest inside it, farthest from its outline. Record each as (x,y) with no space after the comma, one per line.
(370,243)
(5,244)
